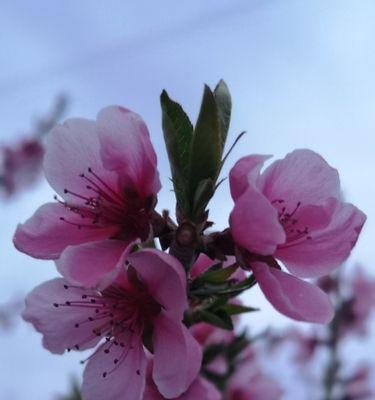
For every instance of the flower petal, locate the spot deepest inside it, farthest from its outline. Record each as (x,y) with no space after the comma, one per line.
(45,235)
(302,176)
(254,223)
(291,296)
(126,148)
(71,149)
(92,264)
(201,389)
(164,277)
(47,309)
(245,173)
(328,247)
(174,374)
(124,379)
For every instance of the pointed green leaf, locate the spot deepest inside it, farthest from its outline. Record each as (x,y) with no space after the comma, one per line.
(178,133)
(218,276)
(206,144)
(233,309)
(224,106)
(220,319)
(202,196)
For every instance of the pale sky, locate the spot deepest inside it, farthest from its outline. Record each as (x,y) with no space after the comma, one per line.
(301,75)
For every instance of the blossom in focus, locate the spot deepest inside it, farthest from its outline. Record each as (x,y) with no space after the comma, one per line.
(200,389)
(292,212)
(250,383)
(20,165)
(105,172)
(143,305)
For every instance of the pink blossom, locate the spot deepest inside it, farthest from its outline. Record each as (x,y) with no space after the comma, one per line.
(20,165)
(306,343)
(292,212)
(250,383)
(144,304)
(105,171)
(200,389)
(358,308)
(358,387)
(207,334)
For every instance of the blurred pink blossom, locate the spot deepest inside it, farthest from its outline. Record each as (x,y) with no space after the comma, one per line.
(357,386)
(20,165)
(361,303)
(249,381)
(293,212)
(145,303)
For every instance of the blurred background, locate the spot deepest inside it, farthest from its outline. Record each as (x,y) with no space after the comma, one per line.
(301,74)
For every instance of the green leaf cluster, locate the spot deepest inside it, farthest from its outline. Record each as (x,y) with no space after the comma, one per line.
(196,153)
(215,288)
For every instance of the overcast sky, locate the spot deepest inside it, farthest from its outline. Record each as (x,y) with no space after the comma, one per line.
(301,75)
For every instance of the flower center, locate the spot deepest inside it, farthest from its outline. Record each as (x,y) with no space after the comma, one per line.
(107,207)
(117,314)
(295,232)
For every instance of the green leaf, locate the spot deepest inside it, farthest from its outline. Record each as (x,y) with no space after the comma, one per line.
(220,319)
(211,351)
(234,309)
(224,106)
(219,275)
(206,144)
(178,133)
(202,196)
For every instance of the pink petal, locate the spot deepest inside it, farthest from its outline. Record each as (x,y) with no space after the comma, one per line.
(302,176)
(71,149)
(201,389)
(45,236)
(124,380)
(291,296)
(57,324)
(204,262)
(177,357)
(254,223)
(245,173)
(126,149)
(164,277)
(201,264)
(92,264)
(329,247)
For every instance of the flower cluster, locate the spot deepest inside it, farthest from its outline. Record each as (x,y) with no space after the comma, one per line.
(142,309)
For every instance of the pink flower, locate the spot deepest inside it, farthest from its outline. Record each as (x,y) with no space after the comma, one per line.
(358,387)
(20,165)
(307,343)
(105,171)
(292,212)
(360,305)
(250,383)
(145,304)
(200,389)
